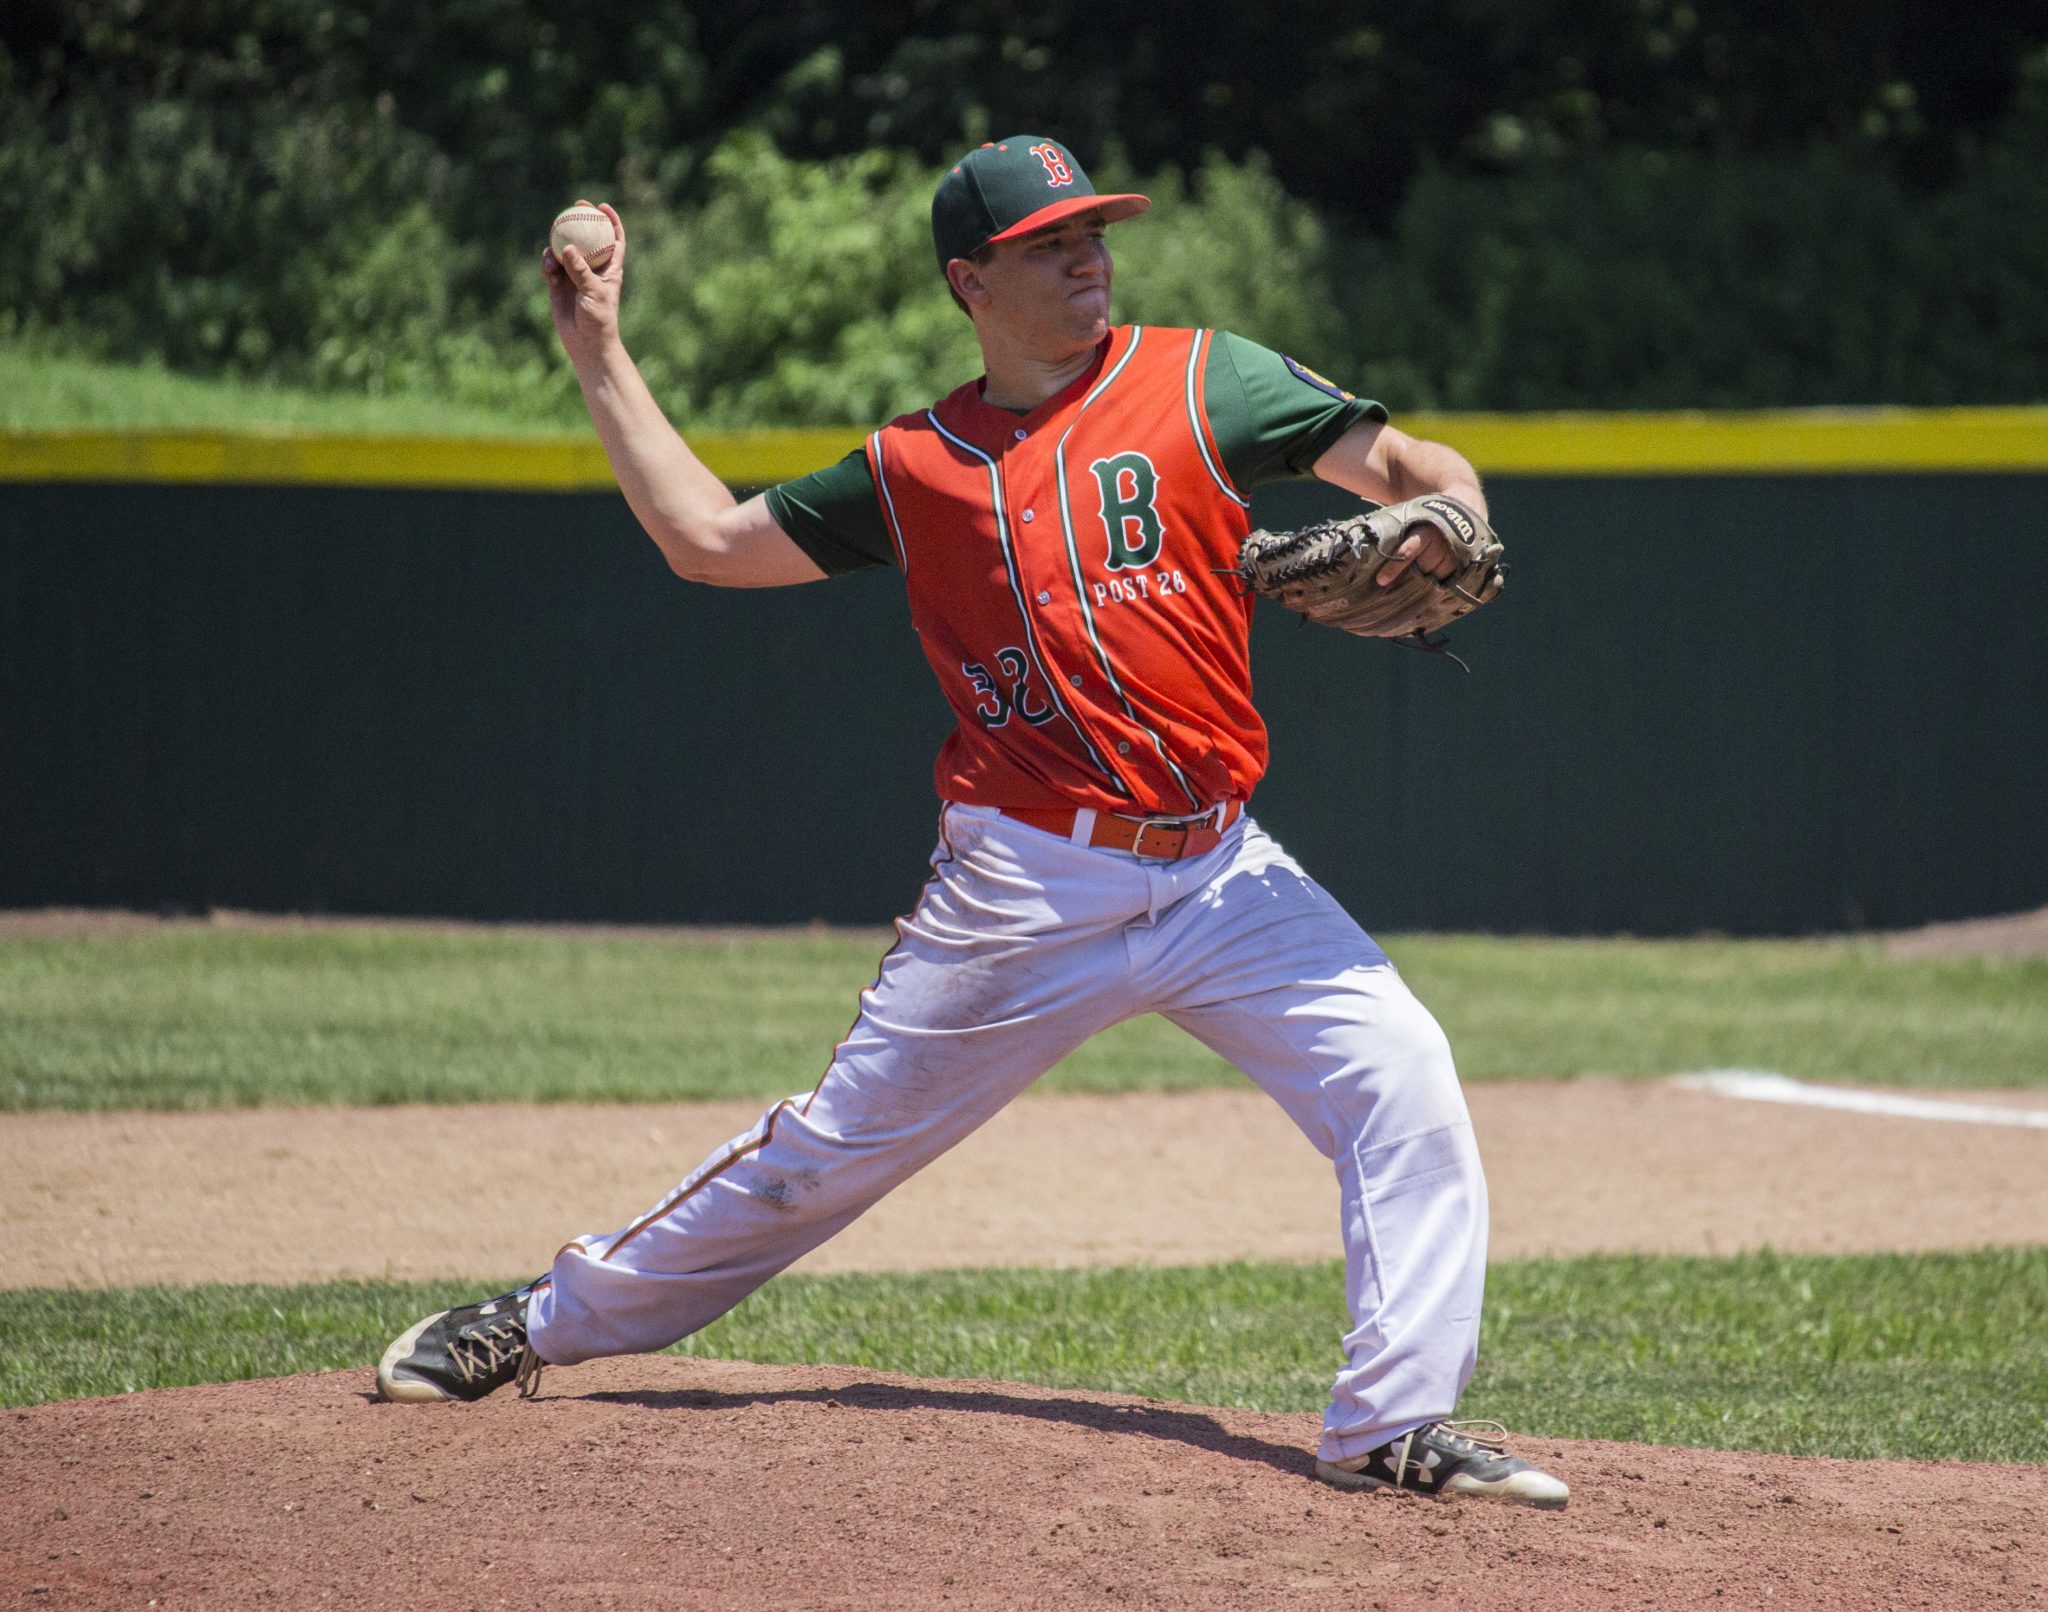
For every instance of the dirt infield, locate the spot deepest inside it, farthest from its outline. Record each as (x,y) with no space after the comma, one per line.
(1184,1178)
(671,1483)
(668,1483)
(2018,934)
(664,1483)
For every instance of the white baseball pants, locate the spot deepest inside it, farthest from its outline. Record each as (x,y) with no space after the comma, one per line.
(1022,946)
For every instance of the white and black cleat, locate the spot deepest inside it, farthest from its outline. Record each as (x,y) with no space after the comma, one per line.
(462,1353)
(1450,1458)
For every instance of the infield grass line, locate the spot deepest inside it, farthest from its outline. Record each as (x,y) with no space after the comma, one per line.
(196,1017)
(1938,1356)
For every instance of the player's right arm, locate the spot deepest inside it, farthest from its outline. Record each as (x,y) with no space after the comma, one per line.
(705,533)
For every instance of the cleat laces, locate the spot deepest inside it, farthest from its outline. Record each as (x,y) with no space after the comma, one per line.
(480,1354)
(1477,1435)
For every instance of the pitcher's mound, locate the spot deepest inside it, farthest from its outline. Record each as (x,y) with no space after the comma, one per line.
(659,1482)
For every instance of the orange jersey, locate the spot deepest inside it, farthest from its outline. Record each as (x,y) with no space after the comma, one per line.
(1070,576)
(1062,568)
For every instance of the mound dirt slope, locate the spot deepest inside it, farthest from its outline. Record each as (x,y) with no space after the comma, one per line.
(656,1482)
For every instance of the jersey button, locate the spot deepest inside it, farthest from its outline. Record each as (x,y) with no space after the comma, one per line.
(1045,598)
(1029,516)
(1123,747)
(1021,434)
(1075,679)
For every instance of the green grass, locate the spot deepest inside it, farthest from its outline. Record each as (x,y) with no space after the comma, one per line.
(1931,1356)
(50,393)
(191,1017)
(1818,1009)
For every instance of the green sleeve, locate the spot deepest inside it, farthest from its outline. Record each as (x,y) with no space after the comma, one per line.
(1273,418)
(834,516)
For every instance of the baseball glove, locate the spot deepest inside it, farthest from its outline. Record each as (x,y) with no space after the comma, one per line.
(1329,572)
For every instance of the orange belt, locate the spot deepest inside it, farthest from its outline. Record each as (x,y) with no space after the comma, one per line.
(1167,839)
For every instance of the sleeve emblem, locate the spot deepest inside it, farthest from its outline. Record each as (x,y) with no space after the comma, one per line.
(1322,383)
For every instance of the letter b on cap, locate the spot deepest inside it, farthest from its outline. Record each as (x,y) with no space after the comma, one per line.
(1055,160)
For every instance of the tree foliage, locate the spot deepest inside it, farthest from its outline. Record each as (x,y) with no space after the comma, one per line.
(1349,103)
(1602,203)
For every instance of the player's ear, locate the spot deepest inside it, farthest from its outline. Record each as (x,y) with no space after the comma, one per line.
(964,276)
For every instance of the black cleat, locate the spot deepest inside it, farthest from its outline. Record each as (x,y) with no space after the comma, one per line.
(464,1353)
(1447,1458)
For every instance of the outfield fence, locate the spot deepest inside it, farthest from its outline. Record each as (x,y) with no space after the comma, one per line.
(1767,673)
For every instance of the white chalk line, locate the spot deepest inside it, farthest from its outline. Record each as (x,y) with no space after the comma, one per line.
(1763,1086)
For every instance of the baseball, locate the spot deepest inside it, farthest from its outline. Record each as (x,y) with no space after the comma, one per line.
(584,228)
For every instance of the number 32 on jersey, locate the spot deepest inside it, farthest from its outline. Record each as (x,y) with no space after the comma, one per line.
(1007,691)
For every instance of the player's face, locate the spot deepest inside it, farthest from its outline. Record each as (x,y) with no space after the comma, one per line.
(1052,287)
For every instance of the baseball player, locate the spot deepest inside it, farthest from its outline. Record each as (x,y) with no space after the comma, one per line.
(1065,527)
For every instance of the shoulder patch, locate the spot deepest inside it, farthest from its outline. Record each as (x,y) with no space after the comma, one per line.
(1322,383)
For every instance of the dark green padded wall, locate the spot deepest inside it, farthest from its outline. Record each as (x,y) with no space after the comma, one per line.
(1810,713)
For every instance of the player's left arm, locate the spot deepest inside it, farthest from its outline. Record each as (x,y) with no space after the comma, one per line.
(1376,461)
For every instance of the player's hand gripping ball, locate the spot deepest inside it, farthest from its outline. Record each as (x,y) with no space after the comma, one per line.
(586,229)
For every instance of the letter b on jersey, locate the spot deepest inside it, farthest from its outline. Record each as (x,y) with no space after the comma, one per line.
(1130,509)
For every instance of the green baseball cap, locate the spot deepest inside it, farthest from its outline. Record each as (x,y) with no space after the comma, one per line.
(1011,187)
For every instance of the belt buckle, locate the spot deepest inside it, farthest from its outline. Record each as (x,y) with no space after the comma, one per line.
(1184,826)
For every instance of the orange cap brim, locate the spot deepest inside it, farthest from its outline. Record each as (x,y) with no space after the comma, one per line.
(1112,208)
